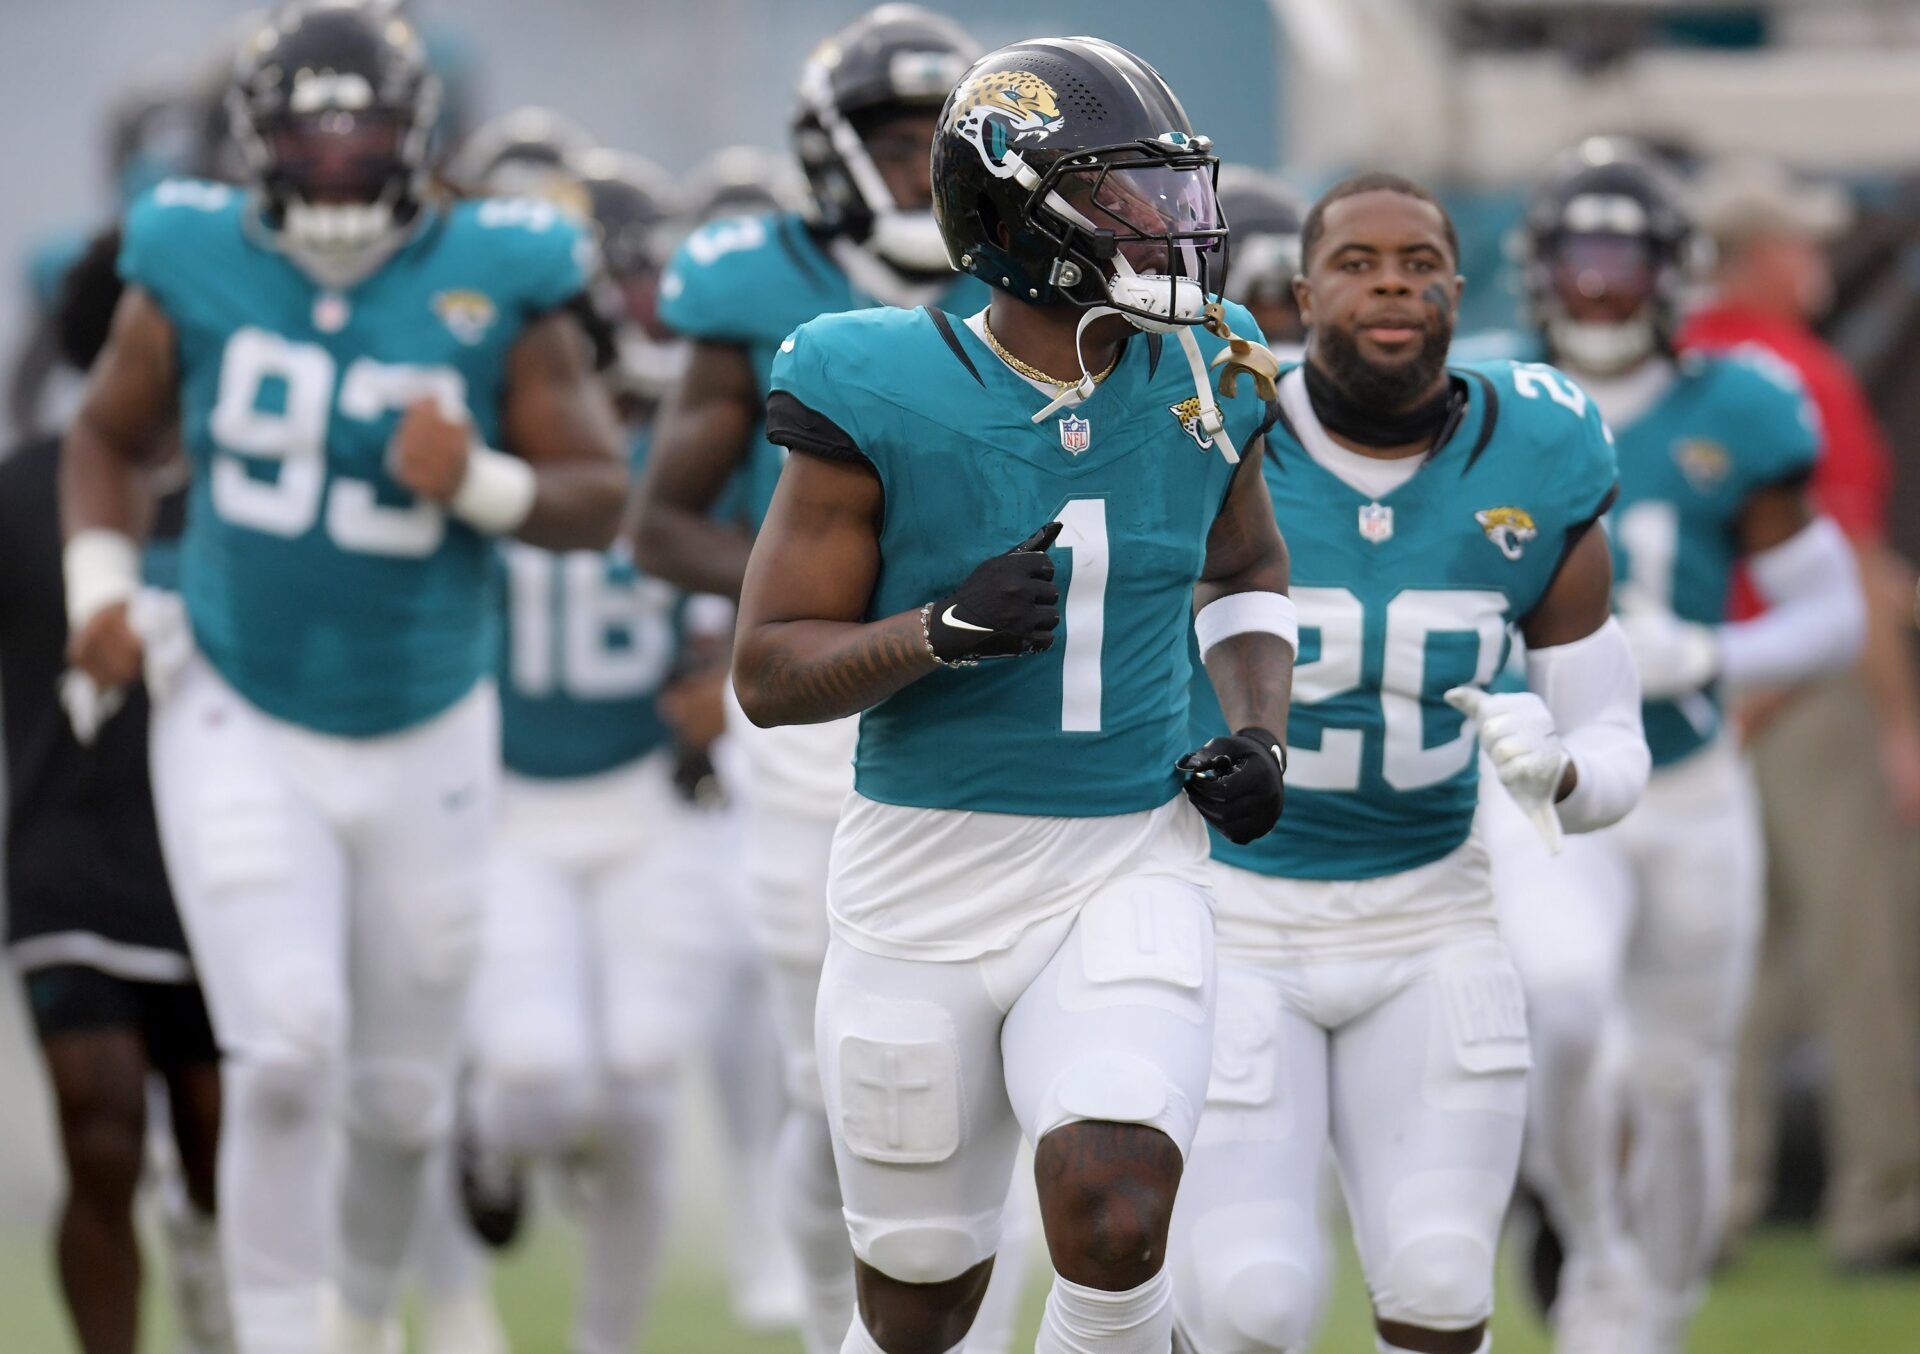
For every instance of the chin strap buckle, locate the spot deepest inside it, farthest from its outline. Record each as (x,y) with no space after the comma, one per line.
(1241,355)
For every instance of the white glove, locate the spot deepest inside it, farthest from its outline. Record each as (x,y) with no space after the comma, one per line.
(88,705)
(1518,734)
(1675,657)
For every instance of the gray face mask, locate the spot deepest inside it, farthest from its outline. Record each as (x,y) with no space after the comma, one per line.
(1603,349)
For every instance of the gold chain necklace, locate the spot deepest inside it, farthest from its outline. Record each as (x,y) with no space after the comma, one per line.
(1033,373)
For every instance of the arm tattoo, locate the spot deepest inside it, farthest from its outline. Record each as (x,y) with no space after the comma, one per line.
(806,672)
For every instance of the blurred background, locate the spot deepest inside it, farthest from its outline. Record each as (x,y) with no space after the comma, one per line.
(1472,96)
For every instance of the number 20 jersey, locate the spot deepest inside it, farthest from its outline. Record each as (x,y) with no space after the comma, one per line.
(1093,726)
(1404,597)
(323,592)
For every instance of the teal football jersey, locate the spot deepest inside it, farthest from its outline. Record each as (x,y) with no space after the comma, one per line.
(586,645)
(1730,424)
(326,594)
(751,281)
(1093,726)
(1404,597)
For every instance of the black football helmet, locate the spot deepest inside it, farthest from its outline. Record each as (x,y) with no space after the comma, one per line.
(1607,235)
(333,106)
(1065,171)
(1264,217)
(635,216)
(896,57)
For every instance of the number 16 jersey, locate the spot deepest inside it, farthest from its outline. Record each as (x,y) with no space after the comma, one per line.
(324,593)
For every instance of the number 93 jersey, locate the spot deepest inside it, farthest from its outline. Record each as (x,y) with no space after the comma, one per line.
(588,643)
(1093,726)
(323,592)
(751,281)
(1403,597)
(1729,426)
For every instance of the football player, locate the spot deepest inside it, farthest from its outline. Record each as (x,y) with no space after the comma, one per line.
(345,356)
(1367,1001)
(1645,937)
(1021,937)
(91,927)
(865,123)
(607,953)
(1264,216)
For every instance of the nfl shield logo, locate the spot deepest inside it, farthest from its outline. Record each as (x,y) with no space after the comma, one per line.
(1076,434)
(1376,522)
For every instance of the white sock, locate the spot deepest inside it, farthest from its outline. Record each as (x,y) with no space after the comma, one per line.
(810,1213)
(623,1212)
(380,1193)
(1093,1321)
(194,1264)
(276,1202)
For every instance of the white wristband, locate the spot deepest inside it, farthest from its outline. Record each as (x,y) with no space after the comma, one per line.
(102,567)
(1241,612)
(497,492)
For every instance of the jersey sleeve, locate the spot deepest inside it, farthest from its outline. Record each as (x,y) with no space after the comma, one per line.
(1570,438)
(165,247)
(1780,433)
(808,410)
(548,254)
(707,280)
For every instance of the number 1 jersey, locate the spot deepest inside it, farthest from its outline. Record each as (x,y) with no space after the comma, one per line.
(1093,726)
(323,592)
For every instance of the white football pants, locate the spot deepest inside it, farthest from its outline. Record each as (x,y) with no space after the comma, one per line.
(332,889)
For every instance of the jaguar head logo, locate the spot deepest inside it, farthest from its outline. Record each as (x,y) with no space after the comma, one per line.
(1187,414)
(1023,98)
(1508,528)
(996,108)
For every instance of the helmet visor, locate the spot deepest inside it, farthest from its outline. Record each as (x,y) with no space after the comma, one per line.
(338,157)
(1161,216)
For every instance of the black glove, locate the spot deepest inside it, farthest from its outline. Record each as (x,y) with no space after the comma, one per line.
(1238,783)
(1007,605)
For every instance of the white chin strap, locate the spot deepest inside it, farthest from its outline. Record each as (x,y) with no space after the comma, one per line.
(1603,349)
(338,244)
(1213,424)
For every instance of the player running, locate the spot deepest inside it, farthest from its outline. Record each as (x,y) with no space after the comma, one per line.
(869,97)
(1366,998)
(1637,946)
(342,354)
(1021,936)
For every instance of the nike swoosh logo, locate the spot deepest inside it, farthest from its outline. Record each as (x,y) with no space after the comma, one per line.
(948,618)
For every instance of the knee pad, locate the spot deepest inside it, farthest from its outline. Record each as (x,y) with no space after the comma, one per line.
(1115,1087)
(277,1093)
(925,1250)
(403,1103)
(1242,1290)
(1440,1281)
(537,1115)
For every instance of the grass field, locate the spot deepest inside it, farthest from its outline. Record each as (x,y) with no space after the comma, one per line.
(1779,1299)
